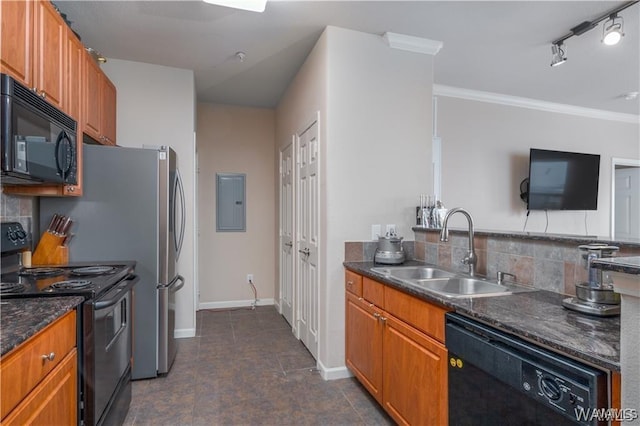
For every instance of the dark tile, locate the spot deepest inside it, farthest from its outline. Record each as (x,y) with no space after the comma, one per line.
(296,360)
(245,367)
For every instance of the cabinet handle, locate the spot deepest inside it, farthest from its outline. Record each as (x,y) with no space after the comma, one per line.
(34,90)
(349,283)
(371,305)
(360,299)
(49,357)
(383,319)
(43,95)
(71,188)
(376,315)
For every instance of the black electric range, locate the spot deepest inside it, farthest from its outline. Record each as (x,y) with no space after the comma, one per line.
(104,338)
(87,280)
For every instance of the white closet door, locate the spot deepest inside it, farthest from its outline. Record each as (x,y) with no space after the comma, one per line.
(286,233)
(627,202)
(307,238)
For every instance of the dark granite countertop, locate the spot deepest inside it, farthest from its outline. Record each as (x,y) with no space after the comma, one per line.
(539,236)
(626,265)
(537,316)
(22,318)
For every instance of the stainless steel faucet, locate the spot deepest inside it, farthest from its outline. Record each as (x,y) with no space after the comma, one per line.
(471,259)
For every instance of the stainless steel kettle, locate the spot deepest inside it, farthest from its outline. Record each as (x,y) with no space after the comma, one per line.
(389,250)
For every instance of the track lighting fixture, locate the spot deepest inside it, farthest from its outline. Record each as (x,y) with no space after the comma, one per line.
(557,55)
(612,30)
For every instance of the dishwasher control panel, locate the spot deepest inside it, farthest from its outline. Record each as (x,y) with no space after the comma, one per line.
(553,389)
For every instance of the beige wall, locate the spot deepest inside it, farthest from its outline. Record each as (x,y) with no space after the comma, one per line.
(236,140)
(485,156)
(156,106)
(375,144)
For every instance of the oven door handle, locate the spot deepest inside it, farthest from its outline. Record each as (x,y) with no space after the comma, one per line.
(123,289)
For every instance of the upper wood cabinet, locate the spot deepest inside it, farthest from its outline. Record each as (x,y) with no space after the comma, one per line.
(16,38)
(50,55)
(39,50)
(33,50)
(99,104)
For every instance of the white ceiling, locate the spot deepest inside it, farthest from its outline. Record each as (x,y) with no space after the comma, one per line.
(501,47)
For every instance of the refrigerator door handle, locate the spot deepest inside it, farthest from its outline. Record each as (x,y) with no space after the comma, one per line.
(173,287)
(178,237)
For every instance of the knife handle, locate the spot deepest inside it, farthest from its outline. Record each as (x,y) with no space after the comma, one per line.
(52,224)
(66,225)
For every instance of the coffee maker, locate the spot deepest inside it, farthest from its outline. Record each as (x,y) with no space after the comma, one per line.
(596,296)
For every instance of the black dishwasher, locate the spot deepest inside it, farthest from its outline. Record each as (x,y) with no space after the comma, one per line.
(498,379)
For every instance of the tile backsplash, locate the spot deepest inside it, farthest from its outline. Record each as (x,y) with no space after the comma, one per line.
(17,208)
(551,265)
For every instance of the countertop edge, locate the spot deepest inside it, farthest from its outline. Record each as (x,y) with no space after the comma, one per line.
(22,318)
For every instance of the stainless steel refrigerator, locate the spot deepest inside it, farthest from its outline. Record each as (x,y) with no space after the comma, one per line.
(132,208)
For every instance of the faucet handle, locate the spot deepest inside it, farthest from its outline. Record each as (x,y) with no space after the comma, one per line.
(501,275)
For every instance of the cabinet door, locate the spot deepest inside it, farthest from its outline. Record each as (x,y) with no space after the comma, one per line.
(92,95)
(52,402)
(74,76)
(415,375)
(363,344)
(108,111)
(50,59)
(16,40)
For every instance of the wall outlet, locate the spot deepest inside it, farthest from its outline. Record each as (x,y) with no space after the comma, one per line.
(249,278)
(375,231)
(391,229)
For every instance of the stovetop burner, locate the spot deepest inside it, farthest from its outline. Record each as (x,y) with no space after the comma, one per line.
(41,272)
(11,288)
(71,285)
(93,270)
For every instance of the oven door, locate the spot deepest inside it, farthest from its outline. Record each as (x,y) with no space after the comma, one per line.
(112,348)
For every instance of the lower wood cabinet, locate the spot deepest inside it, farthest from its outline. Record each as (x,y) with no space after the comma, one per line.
(364,344)
(39,378)
(403,367)
(415,376)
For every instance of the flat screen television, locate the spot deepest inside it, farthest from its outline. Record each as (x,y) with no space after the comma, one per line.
(563,180)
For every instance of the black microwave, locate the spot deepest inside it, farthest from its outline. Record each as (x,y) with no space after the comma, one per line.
(38,140)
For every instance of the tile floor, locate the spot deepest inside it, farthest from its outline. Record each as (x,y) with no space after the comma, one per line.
(245,367)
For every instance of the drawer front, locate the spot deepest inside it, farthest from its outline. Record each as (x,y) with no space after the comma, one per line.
(373,292)
(353,283)
(22,369)
(426,317)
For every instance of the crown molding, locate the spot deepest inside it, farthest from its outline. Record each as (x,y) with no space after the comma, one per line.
(412,44)
(497,98)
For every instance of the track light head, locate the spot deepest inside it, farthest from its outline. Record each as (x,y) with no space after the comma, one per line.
(612,30)
(557,55)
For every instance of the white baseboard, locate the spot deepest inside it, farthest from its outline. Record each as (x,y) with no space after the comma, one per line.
(184,333)
(234,304)
(334,373)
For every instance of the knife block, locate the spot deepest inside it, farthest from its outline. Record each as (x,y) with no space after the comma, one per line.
(50,251)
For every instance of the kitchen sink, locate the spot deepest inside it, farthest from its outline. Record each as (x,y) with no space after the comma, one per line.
(413,273)
(465,287)
(448,284)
